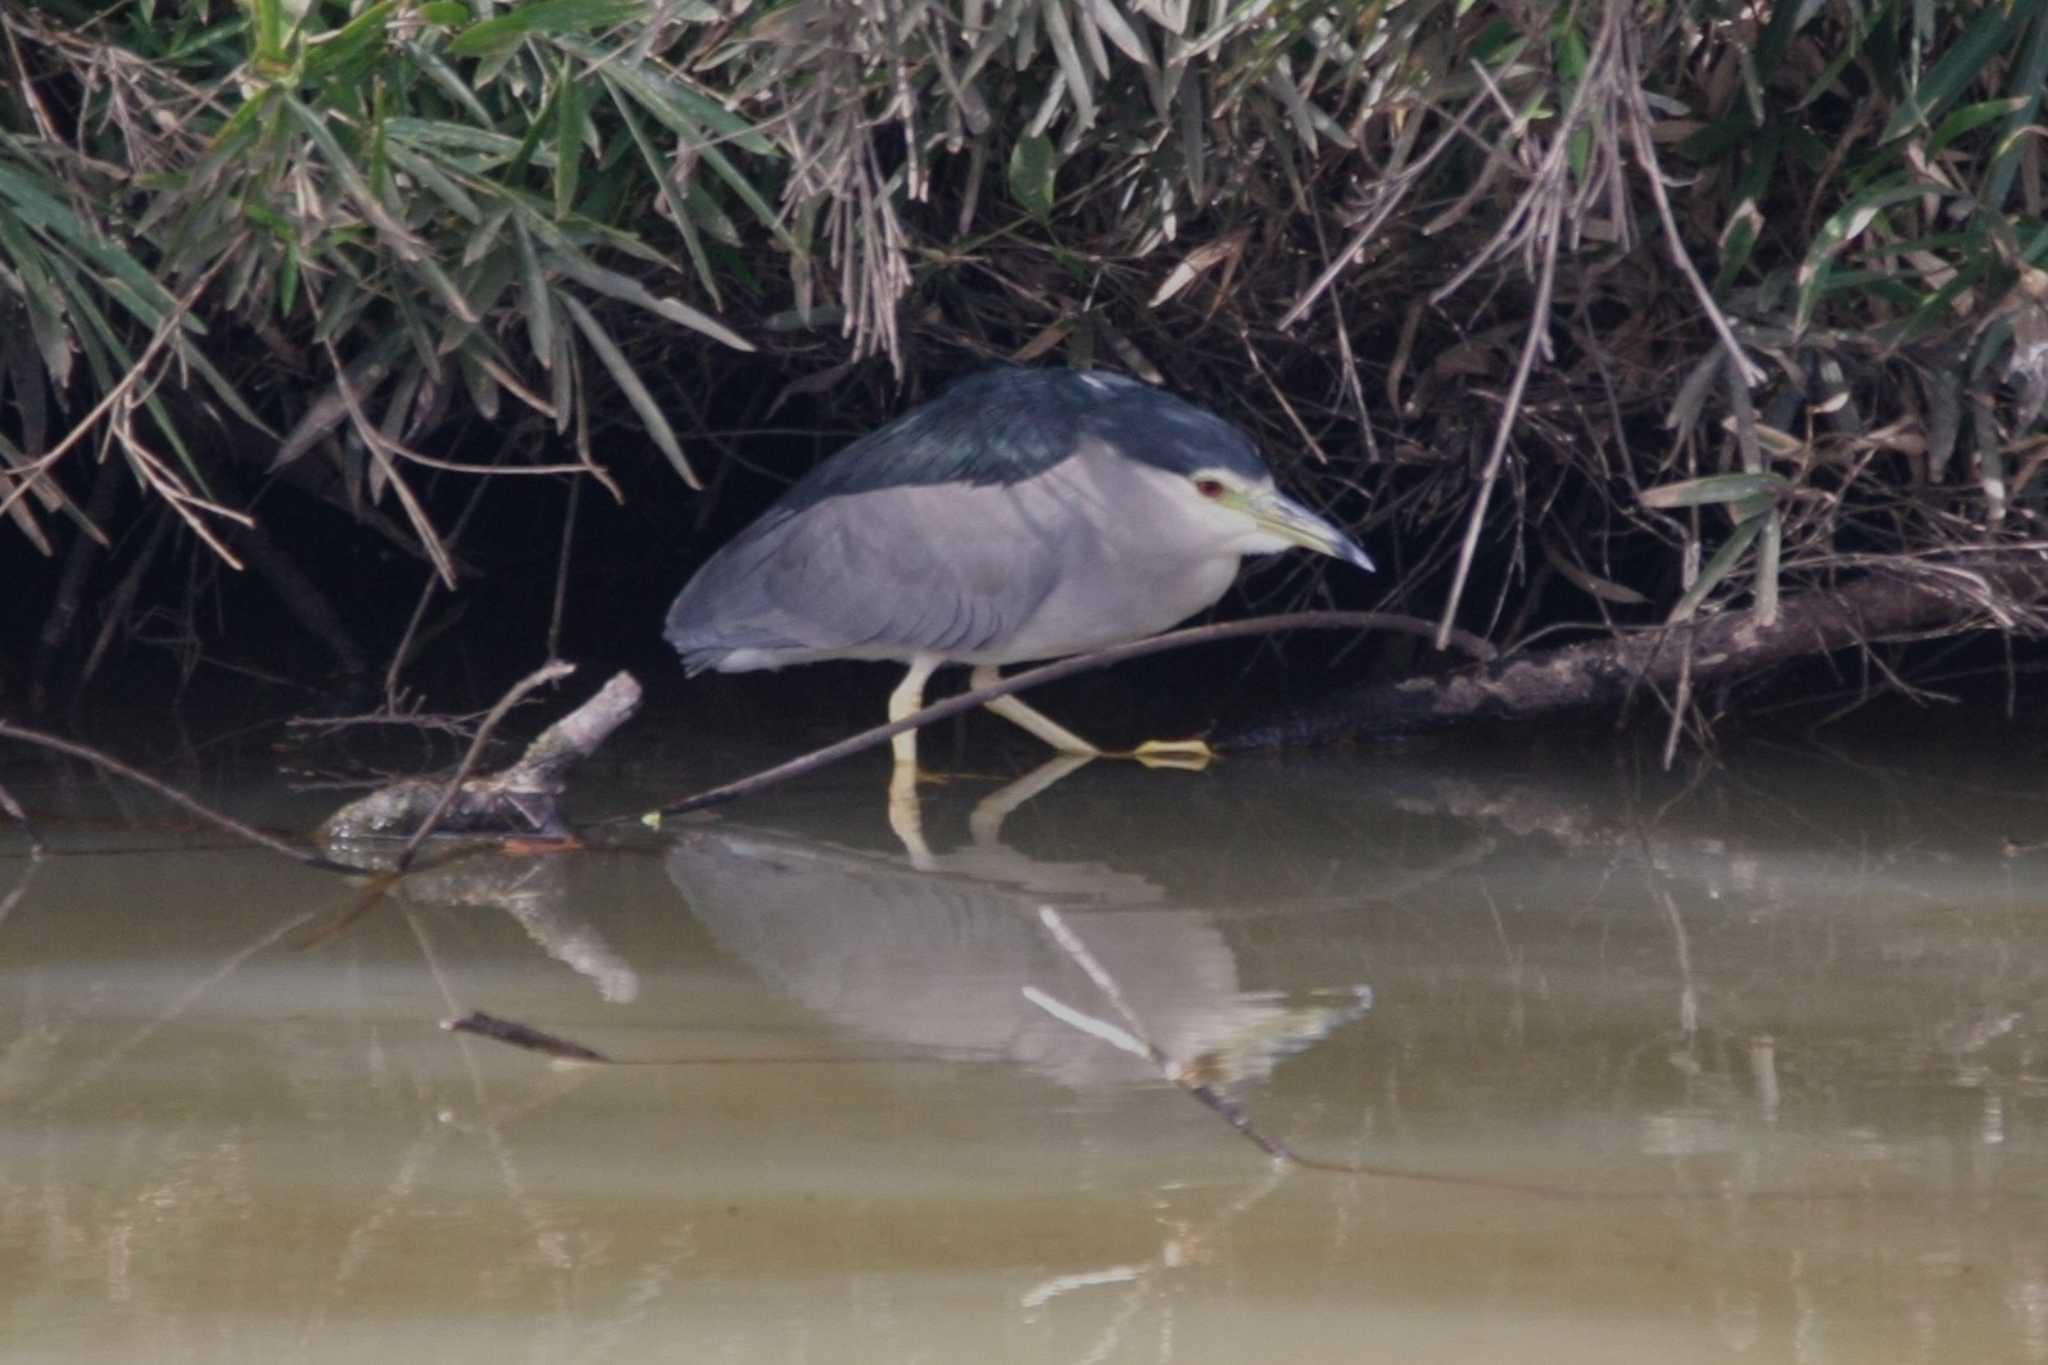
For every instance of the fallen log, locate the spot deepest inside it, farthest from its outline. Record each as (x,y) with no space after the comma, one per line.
(2003,590)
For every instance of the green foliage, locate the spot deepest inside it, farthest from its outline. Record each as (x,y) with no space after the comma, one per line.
(412,196)
(1876,174)
(1527,262)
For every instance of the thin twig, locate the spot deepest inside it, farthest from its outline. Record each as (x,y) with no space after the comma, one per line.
(175,797)
(407,642)
(173,320)
(1388,195)
(575,501)
(1749,371)
(1537,338)
(381,448)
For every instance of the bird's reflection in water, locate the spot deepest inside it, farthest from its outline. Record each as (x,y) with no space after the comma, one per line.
(932,951)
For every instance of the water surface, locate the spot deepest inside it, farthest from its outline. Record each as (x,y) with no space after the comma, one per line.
(1735,1064)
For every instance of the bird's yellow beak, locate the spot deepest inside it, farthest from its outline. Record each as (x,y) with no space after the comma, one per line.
(1281,516)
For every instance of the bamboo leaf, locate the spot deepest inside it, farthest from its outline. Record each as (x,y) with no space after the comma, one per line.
(395,234)
(1692,394)
(1724,561)
(1964,61)
(1606,589)
(442,186)
(355,44)
(686,111)
(680,211)
(1738,239)
(1972,116)
(1843,226)
(1069,59)
(1033,167)
(628,380)
(537,304)
(629,290)
(569,131)
(1118,30)
(1770,547)
(497,35)
(670,105)
(1712,488)
(2029,76)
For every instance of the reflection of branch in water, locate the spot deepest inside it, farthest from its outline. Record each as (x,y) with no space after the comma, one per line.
(13,808)
(491,875)
(172,1011)
(560,1242)
(1136,1041)
(575,943)
(369,1231)
(545,1224)
(1182,1248)
(13,898)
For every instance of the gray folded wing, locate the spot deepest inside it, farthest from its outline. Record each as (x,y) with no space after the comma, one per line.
(944,569)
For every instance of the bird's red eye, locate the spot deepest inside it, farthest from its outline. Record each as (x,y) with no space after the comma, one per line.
(1209,488)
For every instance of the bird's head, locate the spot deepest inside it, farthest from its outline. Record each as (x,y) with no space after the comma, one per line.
(1212,471)
(1266,520)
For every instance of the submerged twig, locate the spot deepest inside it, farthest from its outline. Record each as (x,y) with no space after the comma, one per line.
(527,1038)
(522,1036)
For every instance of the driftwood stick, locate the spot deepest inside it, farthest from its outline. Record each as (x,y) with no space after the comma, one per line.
(1066,668)
(546,673)
(520,799)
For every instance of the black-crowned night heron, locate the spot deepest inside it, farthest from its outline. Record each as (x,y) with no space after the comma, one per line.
(1023,514)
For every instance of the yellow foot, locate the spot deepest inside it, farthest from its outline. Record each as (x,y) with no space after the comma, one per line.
(1189,755)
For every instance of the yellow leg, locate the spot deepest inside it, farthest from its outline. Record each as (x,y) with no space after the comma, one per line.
(1038,723)
(908,697)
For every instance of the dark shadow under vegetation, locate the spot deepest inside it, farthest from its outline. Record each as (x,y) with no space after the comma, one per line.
(1657,344)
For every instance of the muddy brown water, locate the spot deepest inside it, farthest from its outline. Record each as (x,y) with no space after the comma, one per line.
(1741,1065)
